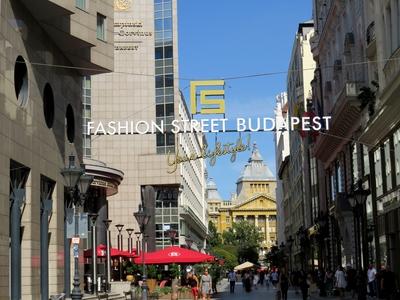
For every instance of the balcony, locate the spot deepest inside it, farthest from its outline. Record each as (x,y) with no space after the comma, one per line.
(345,120)
(74,32)
(371,40)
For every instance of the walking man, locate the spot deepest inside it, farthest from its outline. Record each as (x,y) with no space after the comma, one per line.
(232,281)
(371,273)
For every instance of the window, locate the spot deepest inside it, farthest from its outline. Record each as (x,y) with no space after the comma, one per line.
(388,165)
(101,27)
(355,163)
(70,123)
(396,142)
(378,172)
(48,105)
(80,4)
(21,84)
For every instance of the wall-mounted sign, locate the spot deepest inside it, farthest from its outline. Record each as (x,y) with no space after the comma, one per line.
(129,34)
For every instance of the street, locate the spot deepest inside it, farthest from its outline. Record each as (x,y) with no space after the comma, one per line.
(260,293)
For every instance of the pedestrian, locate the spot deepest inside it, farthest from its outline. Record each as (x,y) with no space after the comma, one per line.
(329,282)
(205,285)
(256,278)
(340,281)
(247,282)
(267,279)
(274,278)
(303,287)
(388,284)
(232,281)
(361,285)
(283,284)
(371,274)
(351,275)
(193,283)
(262,277)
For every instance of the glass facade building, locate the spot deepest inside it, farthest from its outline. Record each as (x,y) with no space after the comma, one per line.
(164,71)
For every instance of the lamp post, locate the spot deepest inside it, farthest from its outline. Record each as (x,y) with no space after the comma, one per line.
(77,184)
(142,219)
(357,198)
(120,242)
(93,218)
(138,248)
(130,243)
(107,224)
(171,233)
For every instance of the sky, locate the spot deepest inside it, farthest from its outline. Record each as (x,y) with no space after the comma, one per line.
(227,38)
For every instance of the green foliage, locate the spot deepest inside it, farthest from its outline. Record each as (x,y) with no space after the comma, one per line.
(228,254)
(175,270)
(152,272)
(246,238)
(276,257)
(132,269)
(214,238)
(162,291)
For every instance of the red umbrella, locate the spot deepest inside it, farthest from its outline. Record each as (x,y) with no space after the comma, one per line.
(102,251)
(174,255)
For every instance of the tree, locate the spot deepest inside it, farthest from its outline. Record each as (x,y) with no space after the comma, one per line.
(246,237)
(228,255)
(214,238)
(276,257)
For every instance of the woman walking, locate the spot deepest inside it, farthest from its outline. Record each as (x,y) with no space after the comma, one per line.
(340,281)
(206,284)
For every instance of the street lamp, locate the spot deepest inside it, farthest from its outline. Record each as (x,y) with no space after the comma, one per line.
(107,224)
(357,199)
(93,218)
(142,219)
(138,248)
(119,237)
(130,243)
(77,184)
(171,233)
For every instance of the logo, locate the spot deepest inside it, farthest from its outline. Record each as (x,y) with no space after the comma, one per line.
(121,5)
(212,100)
(174,254)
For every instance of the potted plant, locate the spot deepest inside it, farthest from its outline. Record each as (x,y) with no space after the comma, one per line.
(152,278)
(131,269)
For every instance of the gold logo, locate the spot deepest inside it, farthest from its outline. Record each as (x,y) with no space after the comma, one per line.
(121,5)
(211,105)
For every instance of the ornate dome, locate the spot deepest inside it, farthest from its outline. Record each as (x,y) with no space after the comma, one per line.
(256,169)
(212,191)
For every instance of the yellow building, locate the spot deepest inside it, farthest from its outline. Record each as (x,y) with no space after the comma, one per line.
(254,201)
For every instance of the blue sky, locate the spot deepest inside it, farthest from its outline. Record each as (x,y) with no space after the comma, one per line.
(224,38)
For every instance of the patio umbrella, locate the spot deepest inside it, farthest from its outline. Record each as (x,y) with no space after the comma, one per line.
(102,250)
(174,255)
(244,266)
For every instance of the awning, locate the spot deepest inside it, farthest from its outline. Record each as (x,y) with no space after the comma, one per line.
(244,266)
(102,251)
(174,255)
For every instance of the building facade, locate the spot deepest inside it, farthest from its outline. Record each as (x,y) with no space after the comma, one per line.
(144,87)
(254,201)
(282,152)
(300,207)
(380,133)
(40,116)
